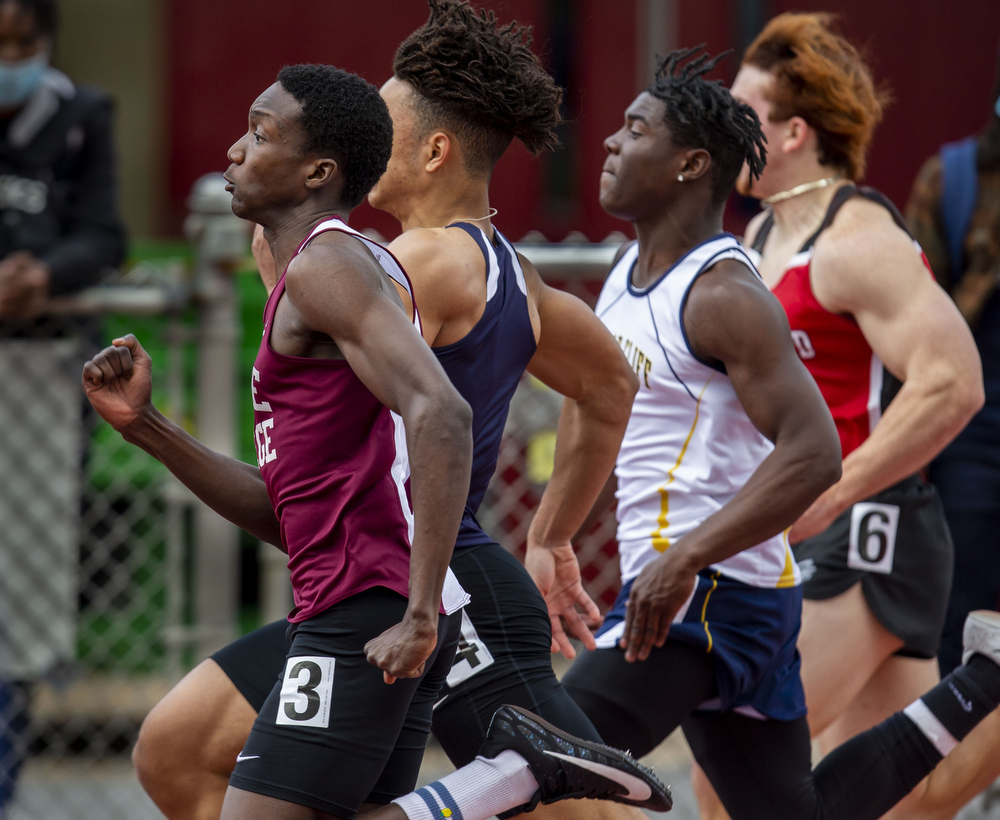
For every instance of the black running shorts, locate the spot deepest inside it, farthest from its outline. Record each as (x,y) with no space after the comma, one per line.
(897,544)
(254,662)
(504,657)
(332,734)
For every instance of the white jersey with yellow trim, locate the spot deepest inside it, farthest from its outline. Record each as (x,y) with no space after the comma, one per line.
(689,446)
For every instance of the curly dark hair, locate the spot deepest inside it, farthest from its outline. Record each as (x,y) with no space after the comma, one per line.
(703,114)
(46,13)
(481,81)
(342,116)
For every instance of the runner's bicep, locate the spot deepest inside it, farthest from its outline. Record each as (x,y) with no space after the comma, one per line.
(739,324)
(919,330)
(392,360)
(576,354)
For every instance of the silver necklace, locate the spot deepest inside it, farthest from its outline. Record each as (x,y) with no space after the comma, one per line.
(805,187)
(493,212)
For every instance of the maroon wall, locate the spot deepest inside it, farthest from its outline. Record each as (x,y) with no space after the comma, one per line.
(220,62)
(939,59)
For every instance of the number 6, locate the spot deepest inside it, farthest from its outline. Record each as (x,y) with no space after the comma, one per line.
(872,543)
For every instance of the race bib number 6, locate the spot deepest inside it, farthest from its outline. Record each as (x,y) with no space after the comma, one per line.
(306,687)
(873,537)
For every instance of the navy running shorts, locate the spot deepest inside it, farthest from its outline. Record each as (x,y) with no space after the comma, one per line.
(749,632)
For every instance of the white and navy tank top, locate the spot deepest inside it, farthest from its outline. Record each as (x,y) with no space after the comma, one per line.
(689,446)
(486,366)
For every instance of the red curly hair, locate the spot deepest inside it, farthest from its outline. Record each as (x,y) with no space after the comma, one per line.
(822,78)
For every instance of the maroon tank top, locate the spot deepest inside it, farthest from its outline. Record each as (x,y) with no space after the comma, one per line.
(335,465)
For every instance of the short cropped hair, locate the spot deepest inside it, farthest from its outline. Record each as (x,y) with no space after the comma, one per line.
(703,114)
(821,77)
(344,117)
(479,80)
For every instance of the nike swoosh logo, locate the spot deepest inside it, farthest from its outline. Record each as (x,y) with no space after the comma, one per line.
(638,789)
(241,757)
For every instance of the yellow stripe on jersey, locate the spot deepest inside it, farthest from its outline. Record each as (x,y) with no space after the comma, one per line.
(660,541)
(704,609)
(787,578)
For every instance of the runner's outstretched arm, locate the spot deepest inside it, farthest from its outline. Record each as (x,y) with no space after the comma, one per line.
(335,287)
(118,382)
(578,357)
(732,319)
(864,266)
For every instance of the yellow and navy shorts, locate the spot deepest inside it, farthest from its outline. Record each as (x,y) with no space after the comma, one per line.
(750,632)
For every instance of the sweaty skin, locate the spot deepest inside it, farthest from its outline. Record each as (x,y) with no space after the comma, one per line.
(865,266)
(337,303)
(730,317)
(427,187)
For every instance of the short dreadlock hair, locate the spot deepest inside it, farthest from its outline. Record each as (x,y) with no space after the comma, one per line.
(480,81)
(703,114)
(344,117)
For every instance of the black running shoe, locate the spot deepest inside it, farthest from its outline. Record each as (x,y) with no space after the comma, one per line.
(567,767)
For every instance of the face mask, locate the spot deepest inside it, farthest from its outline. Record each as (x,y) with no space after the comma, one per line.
(19,79)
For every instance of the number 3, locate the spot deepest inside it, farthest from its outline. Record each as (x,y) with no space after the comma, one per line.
(872,544)
(305,692)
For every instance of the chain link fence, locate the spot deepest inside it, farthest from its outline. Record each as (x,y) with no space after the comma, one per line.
(84,579)
(98,543)
(114,581)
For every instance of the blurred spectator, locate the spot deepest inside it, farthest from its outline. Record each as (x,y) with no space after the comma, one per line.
(954,213)
(59,227)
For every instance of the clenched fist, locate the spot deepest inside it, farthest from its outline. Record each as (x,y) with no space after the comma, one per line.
(118,381)
(402,650)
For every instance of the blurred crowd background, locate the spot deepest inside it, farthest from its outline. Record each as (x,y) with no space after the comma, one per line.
(113,581)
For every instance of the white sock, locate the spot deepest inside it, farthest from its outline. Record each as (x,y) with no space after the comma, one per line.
(932,728)
(478,791)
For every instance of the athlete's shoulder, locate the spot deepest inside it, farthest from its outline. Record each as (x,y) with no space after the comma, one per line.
(729,311)
(864,257)
(332,252)
(446,268)
(424,249)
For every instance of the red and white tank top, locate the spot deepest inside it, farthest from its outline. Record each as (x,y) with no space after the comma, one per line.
(334,461)
(855,384)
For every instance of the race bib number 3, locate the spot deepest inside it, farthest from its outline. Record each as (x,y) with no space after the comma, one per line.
(472,656)
(873,537)
(306,688)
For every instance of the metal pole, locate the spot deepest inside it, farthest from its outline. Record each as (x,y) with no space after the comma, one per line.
(656,21)
(221,242)
(176,499)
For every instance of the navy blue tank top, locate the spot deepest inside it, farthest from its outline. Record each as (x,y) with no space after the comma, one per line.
(486,365)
